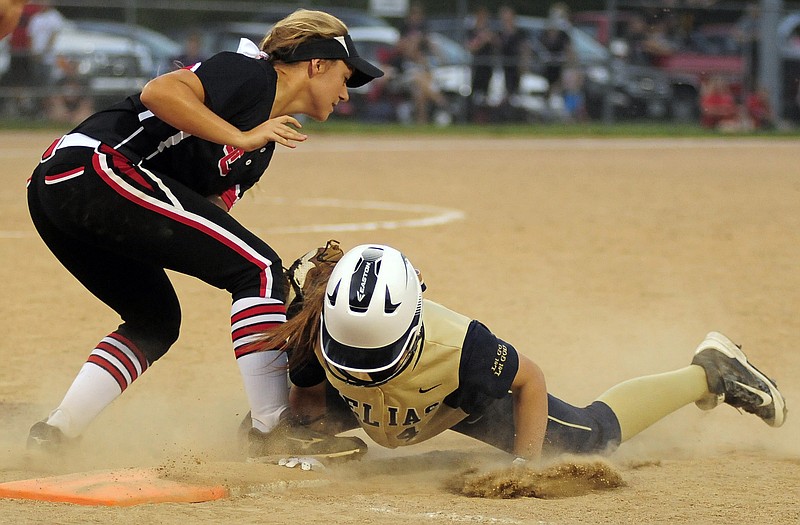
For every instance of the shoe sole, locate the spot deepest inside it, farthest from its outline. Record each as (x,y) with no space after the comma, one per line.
(720,343)
(334,457)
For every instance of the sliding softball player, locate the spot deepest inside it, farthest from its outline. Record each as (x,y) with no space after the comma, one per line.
(369,351)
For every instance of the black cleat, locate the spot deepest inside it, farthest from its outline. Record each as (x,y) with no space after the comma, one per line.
(47,438)
(291,439)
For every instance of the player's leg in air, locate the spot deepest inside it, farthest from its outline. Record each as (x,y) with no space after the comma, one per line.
(719,374)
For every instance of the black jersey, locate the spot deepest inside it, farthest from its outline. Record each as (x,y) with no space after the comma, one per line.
(238,88)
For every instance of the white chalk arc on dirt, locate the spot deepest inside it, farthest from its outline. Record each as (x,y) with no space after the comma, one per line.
(430,216)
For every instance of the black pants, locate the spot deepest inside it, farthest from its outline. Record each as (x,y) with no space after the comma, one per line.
(117,227)
(590,430)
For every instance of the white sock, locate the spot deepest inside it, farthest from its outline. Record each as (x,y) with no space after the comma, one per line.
(266,384)
(92,390)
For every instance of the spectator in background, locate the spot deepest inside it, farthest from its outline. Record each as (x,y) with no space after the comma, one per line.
(718,106)
(514,51)
(21,71)
(10,13)
(381,103)
(191,53)
(72,102)
(647,44)
(747,32)
(572,84)
(558,44)
(759,109)
(413,63)
(47,71)
(636,37)
(659,45)
(43,29)
(482,42)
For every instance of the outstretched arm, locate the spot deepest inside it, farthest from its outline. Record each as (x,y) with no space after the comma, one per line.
(530,409)
(178,98)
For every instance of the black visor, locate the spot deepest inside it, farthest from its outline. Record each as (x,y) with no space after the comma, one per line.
(339,48)
(367,359)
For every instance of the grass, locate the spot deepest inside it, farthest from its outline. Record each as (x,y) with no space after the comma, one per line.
(539,130)
(644,129)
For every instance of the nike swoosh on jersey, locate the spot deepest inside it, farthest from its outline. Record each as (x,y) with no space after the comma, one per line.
(766,399)
(425,390)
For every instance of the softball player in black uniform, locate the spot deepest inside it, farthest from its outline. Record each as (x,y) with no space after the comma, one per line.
(406,369)
(146,185)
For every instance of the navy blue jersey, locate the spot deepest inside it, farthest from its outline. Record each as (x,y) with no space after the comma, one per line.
(239,89)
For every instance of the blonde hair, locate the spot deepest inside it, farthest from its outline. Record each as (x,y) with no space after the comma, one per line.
(298,27)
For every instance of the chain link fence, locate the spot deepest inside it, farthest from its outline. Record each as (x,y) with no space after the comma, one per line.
(109,49)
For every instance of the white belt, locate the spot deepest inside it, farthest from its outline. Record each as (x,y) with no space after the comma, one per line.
(70,140)
(77,139)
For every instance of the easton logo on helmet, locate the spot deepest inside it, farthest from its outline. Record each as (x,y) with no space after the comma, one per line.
(360,293)
(365,277)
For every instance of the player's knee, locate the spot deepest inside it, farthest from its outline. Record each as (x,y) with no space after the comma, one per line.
(153,339)
(250,283)
(155,347)
(590,430)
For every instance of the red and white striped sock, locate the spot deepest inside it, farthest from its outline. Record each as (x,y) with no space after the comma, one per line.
(265,375)
(111,367)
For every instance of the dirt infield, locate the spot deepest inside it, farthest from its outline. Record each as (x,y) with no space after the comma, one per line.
(601,259)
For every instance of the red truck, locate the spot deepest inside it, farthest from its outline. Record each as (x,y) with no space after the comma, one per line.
(710,50)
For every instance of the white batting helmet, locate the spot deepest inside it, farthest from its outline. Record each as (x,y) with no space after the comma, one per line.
(371,314)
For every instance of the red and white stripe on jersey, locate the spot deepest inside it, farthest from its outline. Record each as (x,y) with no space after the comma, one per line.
(251,317)
(120,358)
(106,166)
(51,150)
(231,196)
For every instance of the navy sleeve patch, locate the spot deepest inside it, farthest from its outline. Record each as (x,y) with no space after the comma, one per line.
(487,368)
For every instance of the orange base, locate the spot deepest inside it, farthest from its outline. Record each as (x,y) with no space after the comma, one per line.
(110,487)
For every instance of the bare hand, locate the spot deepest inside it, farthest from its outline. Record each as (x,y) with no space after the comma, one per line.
(278,130)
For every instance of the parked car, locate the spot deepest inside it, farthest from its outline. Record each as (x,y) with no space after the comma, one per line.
(110,66)
(597,25)
(720,40)
(708,51)
(162,49)
(225,36)
(635,91)
(528,104)
(451,71)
